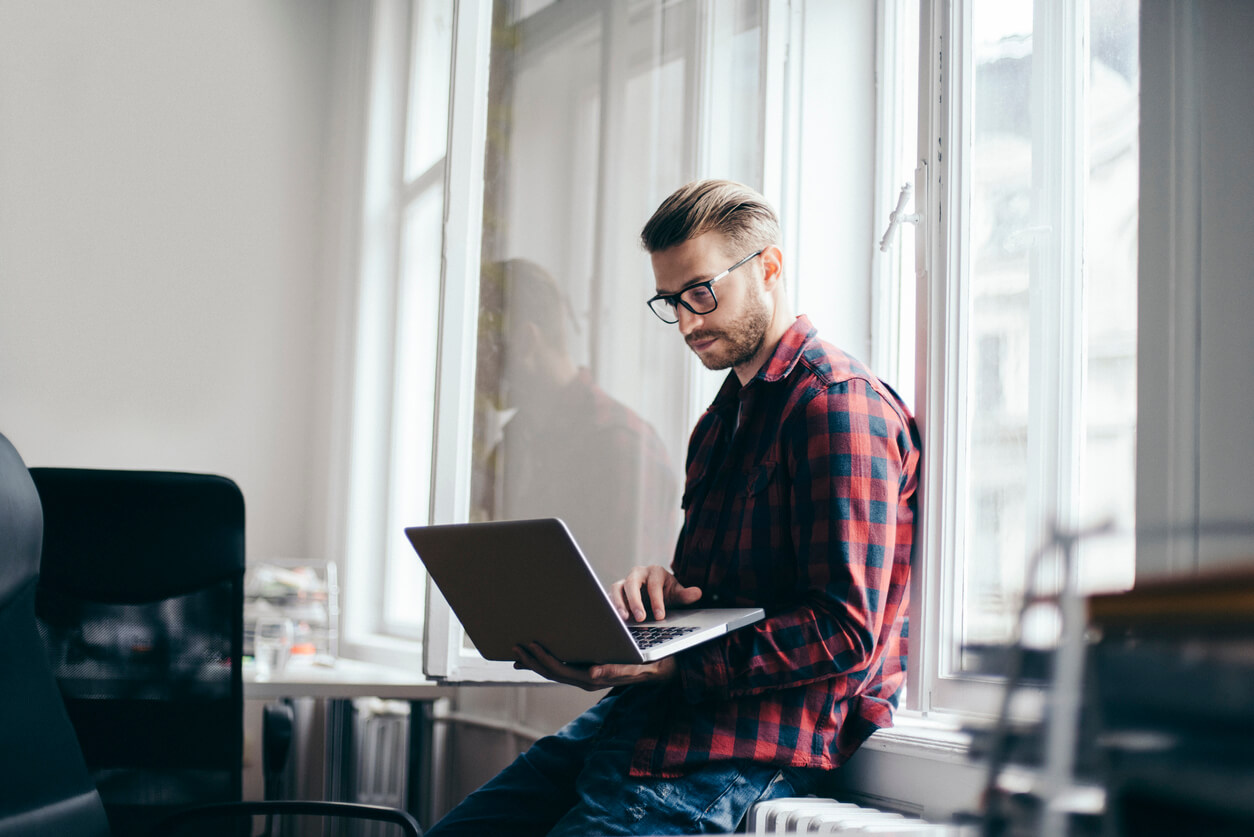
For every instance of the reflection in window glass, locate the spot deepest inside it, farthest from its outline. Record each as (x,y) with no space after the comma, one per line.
(1029,350)
(581,394)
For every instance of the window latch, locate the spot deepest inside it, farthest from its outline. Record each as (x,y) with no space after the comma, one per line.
(898,217)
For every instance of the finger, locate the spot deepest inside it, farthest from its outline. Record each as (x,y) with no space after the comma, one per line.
(603,674)
(687,595)
(631,592)
(524,661)
(657,594)
(554,669)
(612,674)
(619,601)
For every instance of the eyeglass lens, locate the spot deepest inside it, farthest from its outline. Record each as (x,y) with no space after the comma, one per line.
(699,299)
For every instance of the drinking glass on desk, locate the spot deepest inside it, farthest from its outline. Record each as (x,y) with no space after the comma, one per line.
(272,645)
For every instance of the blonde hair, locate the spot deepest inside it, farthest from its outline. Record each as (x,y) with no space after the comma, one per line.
(739,213)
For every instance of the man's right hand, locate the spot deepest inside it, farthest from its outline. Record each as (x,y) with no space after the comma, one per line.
(645,586)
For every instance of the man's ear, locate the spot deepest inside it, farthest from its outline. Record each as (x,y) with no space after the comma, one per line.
(773,267)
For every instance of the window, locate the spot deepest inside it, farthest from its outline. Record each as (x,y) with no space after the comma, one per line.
(499,260)
(1027,377)
(590,114)
(523,144)
(397,328)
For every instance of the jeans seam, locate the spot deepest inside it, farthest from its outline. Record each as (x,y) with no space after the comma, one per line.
(731,784)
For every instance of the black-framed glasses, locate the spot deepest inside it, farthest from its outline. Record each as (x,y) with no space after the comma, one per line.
(698,298)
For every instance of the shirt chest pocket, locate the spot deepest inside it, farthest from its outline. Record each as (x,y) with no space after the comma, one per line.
(744,505)
(758,530)
(758,479)
(758,503)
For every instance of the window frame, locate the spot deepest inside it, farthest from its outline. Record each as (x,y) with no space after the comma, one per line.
(459,302)
(937,688)
(445,657)
(372,393)
(933,692)
(389,394)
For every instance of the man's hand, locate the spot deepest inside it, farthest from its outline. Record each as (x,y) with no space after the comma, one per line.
(591,678)
(658,585)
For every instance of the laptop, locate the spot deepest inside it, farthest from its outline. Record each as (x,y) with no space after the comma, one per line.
(515,581)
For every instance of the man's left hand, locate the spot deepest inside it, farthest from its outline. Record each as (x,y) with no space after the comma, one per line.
(592,678)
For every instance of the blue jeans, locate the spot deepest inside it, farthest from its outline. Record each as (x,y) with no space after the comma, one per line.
(576,782)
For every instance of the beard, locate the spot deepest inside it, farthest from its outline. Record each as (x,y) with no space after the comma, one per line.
(740,340)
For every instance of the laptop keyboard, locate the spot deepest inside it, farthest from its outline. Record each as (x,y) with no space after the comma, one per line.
(648,636)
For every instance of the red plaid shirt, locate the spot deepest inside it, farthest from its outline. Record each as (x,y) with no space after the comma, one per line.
(805,509)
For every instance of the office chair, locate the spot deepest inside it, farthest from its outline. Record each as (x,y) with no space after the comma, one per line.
(46,787)
(140,604)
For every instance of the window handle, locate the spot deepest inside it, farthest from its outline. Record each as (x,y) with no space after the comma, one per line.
(897,217)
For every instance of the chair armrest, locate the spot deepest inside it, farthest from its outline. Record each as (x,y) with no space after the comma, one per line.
(289,807)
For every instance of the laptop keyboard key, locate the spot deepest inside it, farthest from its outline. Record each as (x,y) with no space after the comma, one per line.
(648,636)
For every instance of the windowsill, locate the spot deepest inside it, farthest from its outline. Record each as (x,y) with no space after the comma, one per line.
(383,650)
(918,737)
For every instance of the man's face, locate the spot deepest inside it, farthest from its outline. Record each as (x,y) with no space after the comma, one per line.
(731,335)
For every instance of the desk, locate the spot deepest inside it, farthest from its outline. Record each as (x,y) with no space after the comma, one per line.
(336,685)
(343,679)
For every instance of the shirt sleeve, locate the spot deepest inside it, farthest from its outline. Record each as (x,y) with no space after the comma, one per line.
(847,454)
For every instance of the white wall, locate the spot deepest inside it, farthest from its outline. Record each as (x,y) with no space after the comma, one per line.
(1226,491)
(168,295)
(1196,380)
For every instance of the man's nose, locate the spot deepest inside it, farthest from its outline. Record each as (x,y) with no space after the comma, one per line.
(688,321)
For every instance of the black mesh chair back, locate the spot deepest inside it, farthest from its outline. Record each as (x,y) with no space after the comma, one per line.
(140,605)
(45,788)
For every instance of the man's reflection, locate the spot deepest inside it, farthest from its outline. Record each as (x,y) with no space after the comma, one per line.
(552,443)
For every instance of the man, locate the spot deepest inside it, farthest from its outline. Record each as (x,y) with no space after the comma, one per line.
(799,498)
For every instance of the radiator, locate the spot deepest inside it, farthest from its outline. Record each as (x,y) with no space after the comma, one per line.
(810,815)
(381,729)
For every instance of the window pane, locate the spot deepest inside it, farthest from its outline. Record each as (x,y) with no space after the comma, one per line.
(413,413)
(1050,347)
(430,63)
(999,324)
(582,407)
(1108,479)
(735,142)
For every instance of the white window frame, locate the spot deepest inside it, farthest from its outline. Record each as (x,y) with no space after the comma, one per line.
(374,332)
(937,690)
(393,366)
(445,656)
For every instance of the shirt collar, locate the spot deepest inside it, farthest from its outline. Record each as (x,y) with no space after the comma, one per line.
(788,351)
(783,359)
